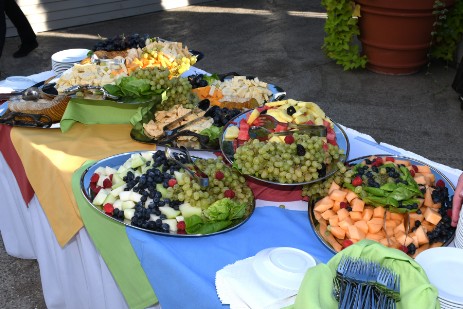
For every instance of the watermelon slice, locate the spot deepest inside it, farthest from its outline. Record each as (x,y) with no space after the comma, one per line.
(243,135)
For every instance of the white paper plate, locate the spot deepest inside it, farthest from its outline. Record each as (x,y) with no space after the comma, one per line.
(18,83)
(446,304)
(70,55)
(283,267)
(444,267)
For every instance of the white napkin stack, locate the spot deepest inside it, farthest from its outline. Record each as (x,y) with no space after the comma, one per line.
(239,286)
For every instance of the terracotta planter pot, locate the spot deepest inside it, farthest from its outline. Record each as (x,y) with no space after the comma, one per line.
(396,34)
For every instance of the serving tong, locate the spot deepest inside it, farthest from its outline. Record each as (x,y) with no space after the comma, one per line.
(194,172)
(361,283)
(26,120)
(173,130)
(74,89)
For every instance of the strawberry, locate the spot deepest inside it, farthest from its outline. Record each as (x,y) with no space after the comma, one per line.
(108,209)
(377,162)
(390,159)
(404,248)
(343,205)
(357,181)
(107,183)
(346,243)
(325,146)
(172,182)
(412,172)
(229,193)
(219,175)
(289,139)
(440,183)
(181,225)
(97,189)
(94,178)
(415,168)
(111,177)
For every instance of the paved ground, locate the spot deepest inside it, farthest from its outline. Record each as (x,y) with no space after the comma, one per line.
(278,41)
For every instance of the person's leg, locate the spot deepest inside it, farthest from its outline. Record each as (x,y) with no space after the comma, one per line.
(2,26)
(25,31)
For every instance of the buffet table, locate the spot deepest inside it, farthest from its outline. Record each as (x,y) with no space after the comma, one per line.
(89,261)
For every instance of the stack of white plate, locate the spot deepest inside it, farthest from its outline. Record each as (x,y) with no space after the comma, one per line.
(444,267)
(459,232)
(65,59)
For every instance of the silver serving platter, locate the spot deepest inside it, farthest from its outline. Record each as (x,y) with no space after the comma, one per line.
(227,149)
(437,174)
(116,161)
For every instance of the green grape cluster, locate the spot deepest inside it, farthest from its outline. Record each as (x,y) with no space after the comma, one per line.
(178,88)
(320,188)
(301,161)
(188,190)
(178,92)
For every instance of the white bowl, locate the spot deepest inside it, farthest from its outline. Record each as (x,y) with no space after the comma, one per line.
(283,267)
(70,55)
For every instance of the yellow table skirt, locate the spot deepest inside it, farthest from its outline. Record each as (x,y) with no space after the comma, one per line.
(50,157)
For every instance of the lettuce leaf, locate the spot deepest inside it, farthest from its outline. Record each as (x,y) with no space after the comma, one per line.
(212,132)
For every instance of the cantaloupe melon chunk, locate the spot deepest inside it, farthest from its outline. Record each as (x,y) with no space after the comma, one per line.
(423,169)
(338,232)
(415,217)
(421,235)
(336,206)
(394,243)
(338,195)
(355,233)
(428,227)
(414,239)
(403,239)
(355,215)
(367,213)
(420,202)
(334,220)
(436,206)
(342,214)
(324,204)
(397,216)
(402,162)
(389,231)
(357,204)
(328,214)
(329,237)
(351,195)
(428,197)
(420,179)
(391,224)
(430,179)
(362,225)
(317,215)
(378,212)
(334,186)
(437,244)
(374,236)
(399,229)
(421,249)
(374,228)
(384,242)
(388,215)
(432,216)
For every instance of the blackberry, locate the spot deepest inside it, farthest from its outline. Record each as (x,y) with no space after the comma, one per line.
(291,110)
(300,150)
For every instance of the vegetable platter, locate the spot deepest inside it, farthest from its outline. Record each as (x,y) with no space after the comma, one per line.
(400,202)
(148,191)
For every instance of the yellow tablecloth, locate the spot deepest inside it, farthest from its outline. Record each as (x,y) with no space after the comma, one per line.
(60,154)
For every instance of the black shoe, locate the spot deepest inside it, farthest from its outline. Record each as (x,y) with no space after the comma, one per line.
(25,49)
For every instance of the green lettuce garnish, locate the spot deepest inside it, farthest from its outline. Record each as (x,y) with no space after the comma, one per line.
(130,86)
(212,132)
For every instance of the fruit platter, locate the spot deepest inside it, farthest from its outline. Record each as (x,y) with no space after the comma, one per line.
(285,142)
(155,191)
(397,201)
(196,120)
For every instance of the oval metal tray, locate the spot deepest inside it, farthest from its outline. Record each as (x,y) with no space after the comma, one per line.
(437,174)
(116,161)
(227,149)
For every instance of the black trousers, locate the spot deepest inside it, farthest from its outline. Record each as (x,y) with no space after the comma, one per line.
(19,20)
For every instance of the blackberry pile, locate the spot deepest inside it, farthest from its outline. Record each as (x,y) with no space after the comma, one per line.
(122,42)
(197,81)
(222,116)
(154,183)
(443,230)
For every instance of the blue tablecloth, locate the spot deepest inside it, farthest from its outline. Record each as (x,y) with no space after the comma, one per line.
(182,271)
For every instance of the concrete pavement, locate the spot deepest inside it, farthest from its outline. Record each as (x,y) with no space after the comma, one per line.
(280,42)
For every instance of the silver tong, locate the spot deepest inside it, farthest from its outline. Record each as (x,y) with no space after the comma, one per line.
(196,172)
(77,88)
